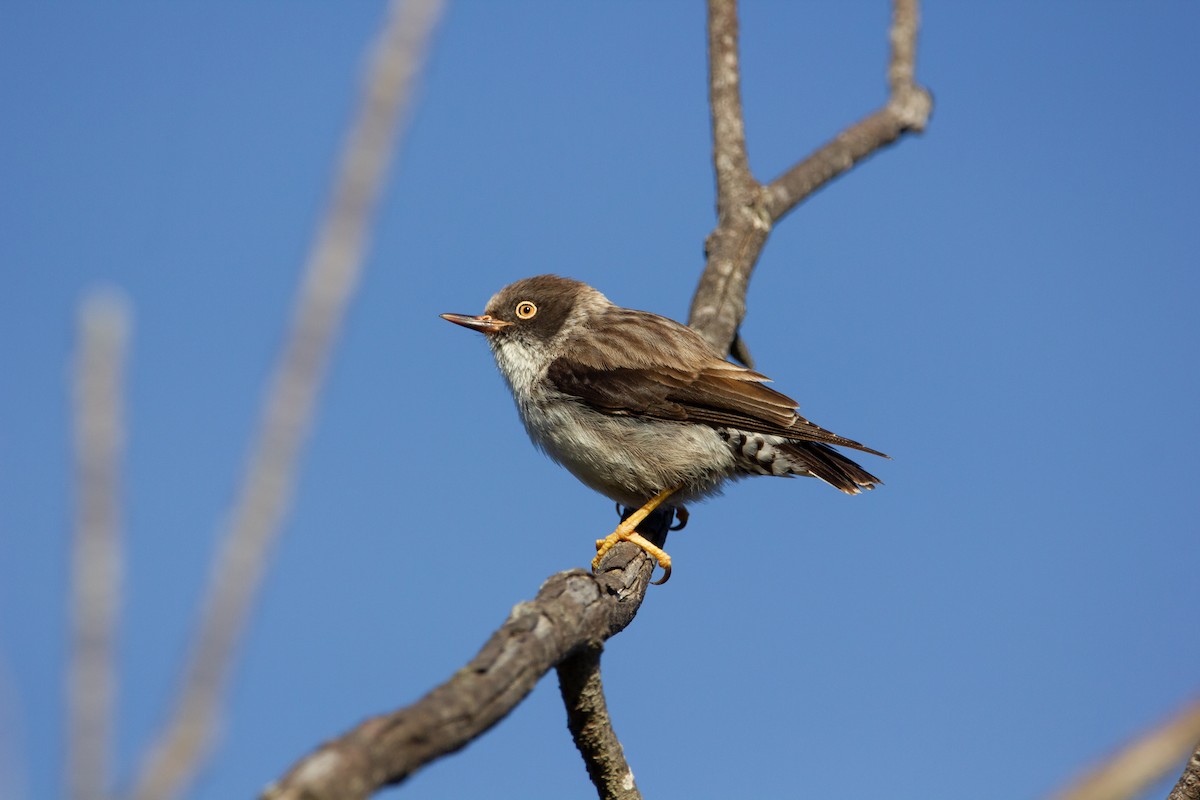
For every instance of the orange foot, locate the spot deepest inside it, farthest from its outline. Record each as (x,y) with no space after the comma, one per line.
(627,532)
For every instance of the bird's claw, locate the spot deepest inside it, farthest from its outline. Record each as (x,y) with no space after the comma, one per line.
(681,516)
(651,549)
(627,532)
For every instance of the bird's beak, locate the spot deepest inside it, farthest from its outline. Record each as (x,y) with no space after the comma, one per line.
(483,323)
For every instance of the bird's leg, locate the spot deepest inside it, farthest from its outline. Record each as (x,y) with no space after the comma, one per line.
(627,532)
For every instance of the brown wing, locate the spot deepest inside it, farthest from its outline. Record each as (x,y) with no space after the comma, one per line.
(621,367)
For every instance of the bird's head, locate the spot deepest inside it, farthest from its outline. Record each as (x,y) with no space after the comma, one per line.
(530,314)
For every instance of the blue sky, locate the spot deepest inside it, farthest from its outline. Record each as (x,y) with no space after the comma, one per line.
(1006,305)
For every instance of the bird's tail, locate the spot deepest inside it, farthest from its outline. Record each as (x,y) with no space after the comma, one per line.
(822,461)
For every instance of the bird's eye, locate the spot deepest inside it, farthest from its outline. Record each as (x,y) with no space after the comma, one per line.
(526,309)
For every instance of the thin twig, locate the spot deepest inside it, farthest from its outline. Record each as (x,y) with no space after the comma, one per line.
(591,726)
(1156,753)
(331,276)
(96,556)
(907,110)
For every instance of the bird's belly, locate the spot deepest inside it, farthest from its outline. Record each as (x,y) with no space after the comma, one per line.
(630,460)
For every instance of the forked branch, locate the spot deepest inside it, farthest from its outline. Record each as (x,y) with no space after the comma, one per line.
(747,209)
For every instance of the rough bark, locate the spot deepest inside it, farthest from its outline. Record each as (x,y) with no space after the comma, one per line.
(1188,786)
(591,726)
(574,611)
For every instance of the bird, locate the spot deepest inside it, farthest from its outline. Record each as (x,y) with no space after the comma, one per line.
(641,408)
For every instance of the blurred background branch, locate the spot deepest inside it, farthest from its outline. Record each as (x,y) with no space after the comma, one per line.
(1156,753)
(329,281)
(96,555)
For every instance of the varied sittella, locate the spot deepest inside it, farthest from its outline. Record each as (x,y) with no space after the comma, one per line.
(641,408)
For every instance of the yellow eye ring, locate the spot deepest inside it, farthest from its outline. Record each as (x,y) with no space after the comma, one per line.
(526,309)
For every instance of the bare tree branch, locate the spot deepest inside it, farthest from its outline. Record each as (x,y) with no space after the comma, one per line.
(573,610)
(831,160)
(330,279)
(746,210)
(96,556)
(591,726)
(719,304)
(1156,753)
(574,613)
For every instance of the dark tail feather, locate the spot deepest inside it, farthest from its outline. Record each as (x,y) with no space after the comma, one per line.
(810,431)
(822,461)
